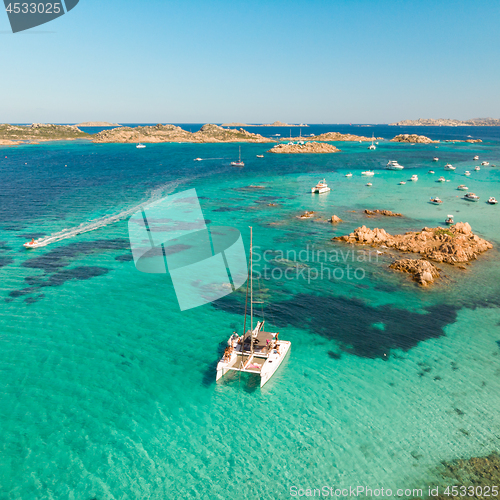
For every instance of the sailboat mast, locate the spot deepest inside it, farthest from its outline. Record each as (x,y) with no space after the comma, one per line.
(240,155)
(251,288)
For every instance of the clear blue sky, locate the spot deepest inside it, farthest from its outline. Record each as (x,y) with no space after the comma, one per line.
(312,61)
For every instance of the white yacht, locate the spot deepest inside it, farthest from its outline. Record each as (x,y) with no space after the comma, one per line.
(441,179)
(431,172)
(348,175)
(477,169)
(393,165)
(238,163)
(484,163)
(462,187)
(448,166)
(414,178)
(368,173)
(402,183)
(467,172)
(475,158)
(436,201)
(321,187)
(369,184)
(435,158)
(256,351)
(449,220)
(260,156)
(492,201)
(198,159)
(471,197)
(140,146)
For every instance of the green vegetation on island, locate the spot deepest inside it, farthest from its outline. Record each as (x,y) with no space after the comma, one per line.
(38,132)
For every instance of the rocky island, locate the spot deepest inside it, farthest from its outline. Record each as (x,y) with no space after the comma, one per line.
(447,122)
(336,136)
(171,133)
(275,124)
(454,245)
(413,138)
(308,147)
(12,135)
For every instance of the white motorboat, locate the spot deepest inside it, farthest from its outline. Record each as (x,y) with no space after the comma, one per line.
(462,187)
(238,163)
(348,175)
(431,172)
(321,187)
(256,351)
(441,179)
(32,244)
(198,159)
(393,165)
(485,163)
(475,158)
(369,184)
(402,182)
(492,201)
(435,158)
(471,197)
(140,146)
(449,220)
(448,166)
(436,201)
(260,156)
(368,173)
(467,172)
(414,178)
(477,169)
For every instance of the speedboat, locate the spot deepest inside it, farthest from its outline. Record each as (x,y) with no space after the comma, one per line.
(449,220)
(476,157)
(477,169)
(431,172)
(441,179)
(255,351)
(492,201)
(348,175)
(32,244)
(393,165)
(368,173)
(414,178)
(260,156)
(436,201)
(140,146)
(238,163)
(471,197)
(462,187)
(402,182)
(485,163)
(435,158)
(448,166)
(198,159)
(369,184)
(467,172)
(321,187)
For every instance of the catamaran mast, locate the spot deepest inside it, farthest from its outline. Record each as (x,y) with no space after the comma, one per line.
(251,290)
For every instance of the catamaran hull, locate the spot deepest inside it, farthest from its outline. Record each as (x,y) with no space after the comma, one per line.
(272,364)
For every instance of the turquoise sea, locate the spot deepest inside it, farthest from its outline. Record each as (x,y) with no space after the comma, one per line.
(107,390)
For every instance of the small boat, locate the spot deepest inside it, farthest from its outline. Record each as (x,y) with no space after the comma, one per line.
(372,146)
(402,182)
(260,156)
(368,173)
(449,220)
(441,179)
(462,187)
(448,166)
(348,175)
(140,146)
(198,159)
(436,201)
(393,165)
(256,351)
(431,172)
(435,158)
(321,187)
(477,169)
(31,244)
(471,197)
(484,163)
(369,184)
(238,163)
(476,157)
(492,200)
(414,178)
(467,172)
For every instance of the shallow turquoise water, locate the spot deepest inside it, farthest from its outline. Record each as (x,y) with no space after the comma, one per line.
(108,391)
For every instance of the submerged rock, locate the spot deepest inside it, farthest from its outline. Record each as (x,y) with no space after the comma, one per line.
(387,213)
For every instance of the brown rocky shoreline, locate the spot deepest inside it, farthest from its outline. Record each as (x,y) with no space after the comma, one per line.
(308,147)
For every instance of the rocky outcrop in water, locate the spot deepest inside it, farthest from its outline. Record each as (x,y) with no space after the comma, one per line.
(423,271)
(335,219)
(413,138)
(209,133)
(337,136)
(308,147)
(386,213)
(452,245)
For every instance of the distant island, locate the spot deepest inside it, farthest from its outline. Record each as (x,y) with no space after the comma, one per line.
(275,124)
(13,135)
(448,122)
(97,124)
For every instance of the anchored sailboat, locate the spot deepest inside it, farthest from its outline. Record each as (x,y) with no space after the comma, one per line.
(256,351)
(238,163)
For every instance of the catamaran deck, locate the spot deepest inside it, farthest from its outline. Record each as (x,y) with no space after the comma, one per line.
(261,343)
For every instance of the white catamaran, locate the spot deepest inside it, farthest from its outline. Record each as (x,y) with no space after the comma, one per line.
(256,351)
